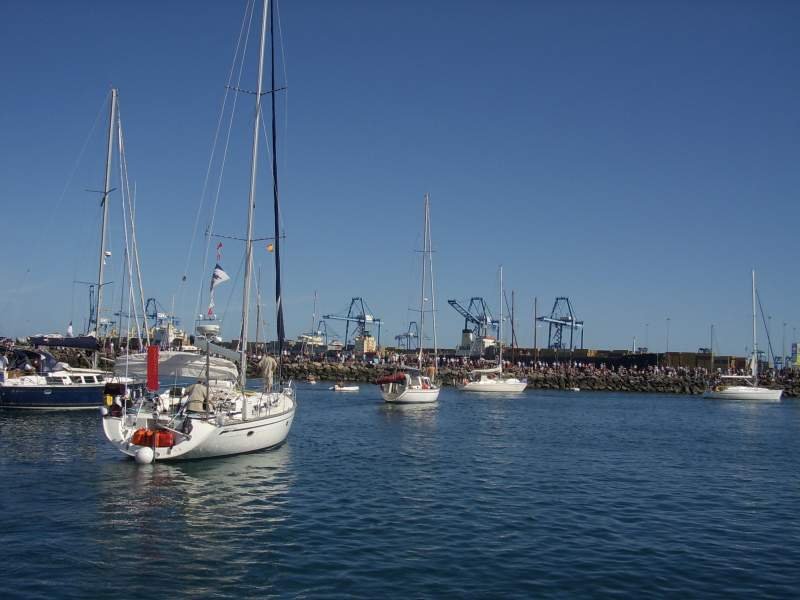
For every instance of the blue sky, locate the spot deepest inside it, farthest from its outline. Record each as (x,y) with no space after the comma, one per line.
(639,157)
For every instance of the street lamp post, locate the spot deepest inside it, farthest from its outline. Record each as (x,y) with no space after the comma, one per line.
(667,352)
(783,347)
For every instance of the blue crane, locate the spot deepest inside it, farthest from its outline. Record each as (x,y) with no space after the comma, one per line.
(561,317)
(361,316)
(409,338)
(476,314)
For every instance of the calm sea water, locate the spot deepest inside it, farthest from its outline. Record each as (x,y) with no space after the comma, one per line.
(540,495)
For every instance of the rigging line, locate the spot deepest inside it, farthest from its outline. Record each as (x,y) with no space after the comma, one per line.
(766,328)
(211,158)
(284,146)
(223,161)
(132,210)
(234,283)
(135,246)
(77,162)
(123,196)
(433,289)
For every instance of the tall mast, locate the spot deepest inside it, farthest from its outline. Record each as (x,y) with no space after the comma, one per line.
(500,326)
(314,314)
(104,227)
(535,319)
(513,331)
(422,291)
(251,202)
(433,290)
(712,348)
(754,359)
(258,306)
(276,206)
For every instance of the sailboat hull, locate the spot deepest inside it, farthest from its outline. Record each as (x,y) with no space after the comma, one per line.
(405,395)
(208,437)
(744,392)
(494,385)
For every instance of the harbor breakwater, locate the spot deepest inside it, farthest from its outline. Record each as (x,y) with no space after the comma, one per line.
(664,381)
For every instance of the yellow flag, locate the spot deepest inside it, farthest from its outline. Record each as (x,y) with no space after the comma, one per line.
(270,247)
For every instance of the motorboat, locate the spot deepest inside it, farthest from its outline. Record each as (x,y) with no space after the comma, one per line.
(34,379)
(340,387)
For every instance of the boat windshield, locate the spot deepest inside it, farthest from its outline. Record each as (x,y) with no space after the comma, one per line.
(32,361)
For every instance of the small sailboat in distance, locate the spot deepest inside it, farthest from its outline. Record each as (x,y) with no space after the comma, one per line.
(492,380)
(412,386)
(745,392)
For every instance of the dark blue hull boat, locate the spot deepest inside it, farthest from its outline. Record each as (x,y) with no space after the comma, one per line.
(50,397)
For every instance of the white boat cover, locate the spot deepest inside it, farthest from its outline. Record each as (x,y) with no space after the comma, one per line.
(173,364)
(232,355)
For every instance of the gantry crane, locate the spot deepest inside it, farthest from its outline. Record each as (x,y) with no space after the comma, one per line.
(562,316)
(409,338)
(478,322)
(360,315)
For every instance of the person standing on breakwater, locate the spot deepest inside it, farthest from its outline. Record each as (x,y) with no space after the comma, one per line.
(3,366)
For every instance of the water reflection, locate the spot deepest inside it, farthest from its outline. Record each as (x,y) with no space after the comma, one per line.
(419,414)
(216,507)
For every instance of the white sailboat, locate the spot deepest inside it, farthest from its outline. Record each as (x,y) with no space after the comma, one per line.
(219,420)
(492,380)
(750,391)
(412,386)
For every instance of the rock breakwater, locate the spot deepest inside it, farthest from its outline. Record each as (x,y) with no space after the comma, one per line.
(663,382)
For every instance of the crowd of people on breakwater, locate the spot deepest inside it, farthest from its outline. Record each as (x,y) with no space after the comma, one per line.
(525,364)
(540,374)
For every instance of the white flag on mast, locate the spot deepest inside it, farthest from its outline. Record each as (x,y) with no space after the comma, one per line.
(217,277)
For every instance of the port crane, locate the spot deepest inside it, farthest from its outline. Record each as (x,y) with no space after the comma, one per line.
(360,315)
(158,315)
(478,322)
(561,317)
(409,338)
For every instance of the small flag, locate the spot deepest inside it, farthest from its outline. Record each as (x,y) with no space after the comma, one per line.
(219,276)
(270,247)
